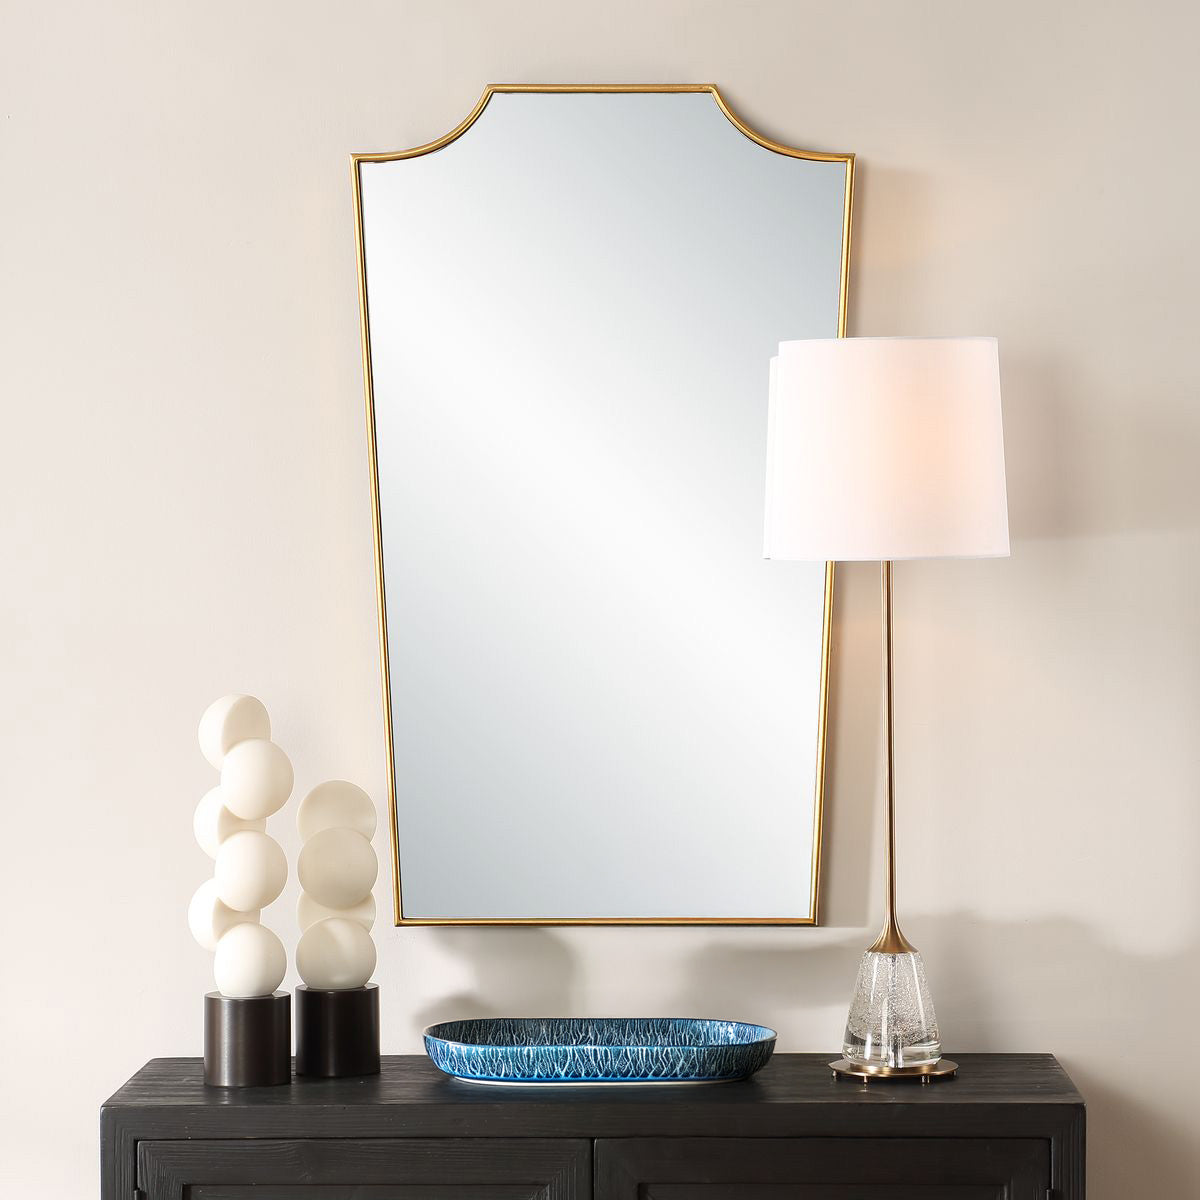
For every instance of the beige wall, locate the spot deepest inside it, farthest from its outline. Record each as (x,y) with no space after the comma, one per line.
(185,512)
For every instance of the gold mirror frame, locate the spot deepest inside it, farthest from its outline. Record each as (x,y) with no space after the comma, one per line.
(823,703)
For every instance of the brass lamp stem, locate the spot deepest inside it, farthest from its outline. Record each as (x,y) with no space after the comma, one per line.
(891,940)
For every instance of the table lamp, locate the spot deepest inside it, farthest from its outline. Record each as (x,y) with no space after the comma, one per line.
(885,449)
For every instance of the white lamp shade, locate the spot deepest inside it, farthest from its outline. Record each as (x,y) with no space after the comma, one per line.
(885,448)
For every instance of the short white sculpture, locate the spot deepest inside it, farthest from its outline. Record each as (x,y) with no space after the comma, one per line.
(335,954)
(337,869)
(250,867)
(309,912)
(336,805)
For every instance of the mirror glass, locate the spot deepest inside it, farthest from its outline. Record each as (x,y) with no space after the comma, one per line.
(603,704)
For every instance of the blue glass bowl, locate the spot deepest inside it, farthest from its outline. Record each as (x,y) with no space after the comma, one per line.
(599,1049)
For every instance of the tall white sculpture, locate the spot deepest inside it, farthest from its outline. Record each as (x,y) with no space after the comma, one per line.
(250,867)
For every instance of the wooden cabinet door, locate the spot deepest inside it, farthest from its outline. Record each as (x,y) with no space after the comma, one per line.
(366,1169)
(823,1169)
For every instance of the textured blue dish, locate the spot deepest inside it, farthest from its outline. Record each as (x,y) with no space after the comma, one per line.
(599,1050)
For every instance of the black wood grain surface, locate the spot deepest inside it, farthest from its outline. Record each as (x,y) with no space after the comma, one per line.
(795,1096)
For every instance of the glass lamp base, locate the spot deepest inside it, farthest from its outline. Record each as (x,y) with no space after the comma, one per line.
(892,1025)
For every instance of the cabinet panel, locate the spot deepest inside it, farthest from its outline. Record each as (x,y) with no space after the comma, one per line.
(366,1169)
(823,1191)
(823,1169)
(362,1191)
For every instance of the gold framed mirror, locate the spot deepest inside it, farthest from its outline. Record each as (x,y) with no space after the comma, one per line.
(601,706)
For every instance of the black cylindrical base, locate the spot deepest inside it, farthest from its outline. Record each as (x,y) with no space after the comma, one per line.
(337,1033)
(247,1042)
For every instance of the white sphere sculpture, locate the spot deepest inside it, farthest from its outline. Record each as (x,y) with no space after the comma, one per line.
(337,867)
(213,822)
(336,804)
(335,954)
(250,868)
(256,779)
(209,919)
(250,871)
(230,720)
(250,961)
(309,912)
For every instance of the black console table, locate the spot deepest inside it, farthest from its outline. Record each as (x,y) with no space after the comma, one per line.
(1009,1127)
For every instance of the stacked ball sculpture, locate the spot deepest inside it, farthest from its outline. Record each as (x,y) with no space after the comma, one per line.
(337,1008)
(247,1022)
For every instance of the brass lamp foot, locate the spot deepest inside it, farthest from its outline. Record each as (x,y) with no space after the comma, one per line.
(944,1068)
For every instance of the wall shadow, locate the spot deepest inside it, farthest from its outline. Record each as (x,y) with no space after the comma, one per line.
(891,242)
(1095,993)
(518,972)
(743,982)
(1076,460)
